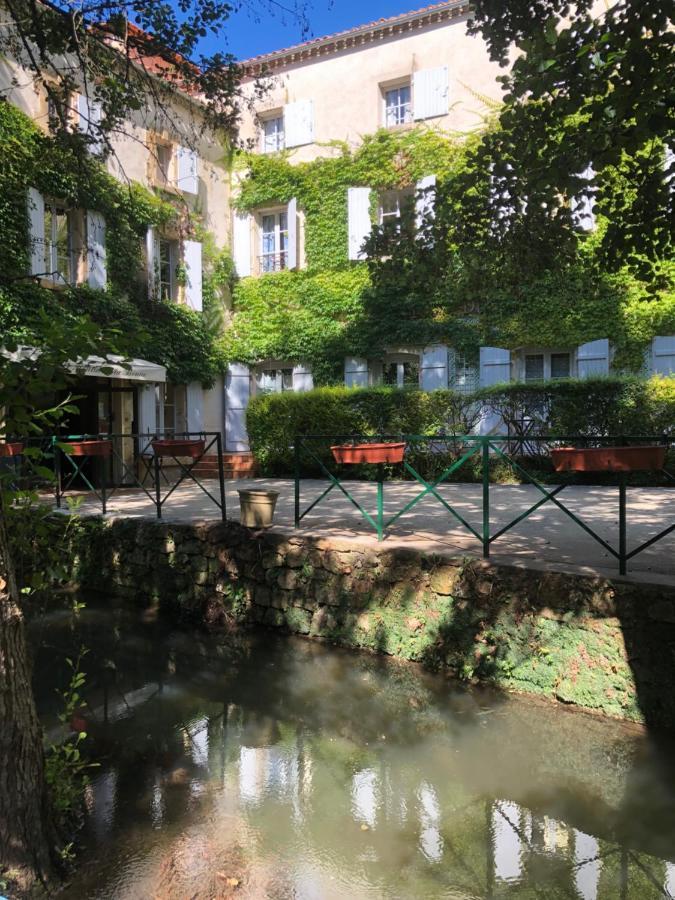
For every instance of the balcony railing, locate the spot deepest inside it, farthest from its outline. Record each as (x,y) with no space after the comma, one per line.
(272,262)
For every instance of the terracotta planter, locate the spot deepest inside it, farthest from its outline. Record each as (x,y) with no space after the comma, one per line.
(176,447)
(608,459)
(351,454)
(13,449)
(89,448)
(257,507)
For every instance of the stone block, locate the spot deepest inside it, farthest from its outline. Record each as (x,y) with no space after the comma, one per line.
(289,579)
(444,579)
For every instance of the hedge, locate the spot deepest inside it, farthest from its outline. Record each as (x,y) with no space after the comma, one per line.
(588,408)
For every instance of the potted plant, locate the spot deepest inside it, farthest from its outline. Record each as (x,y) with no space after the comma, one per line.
(257,507)
(608,459)
(386,452)
(89,447)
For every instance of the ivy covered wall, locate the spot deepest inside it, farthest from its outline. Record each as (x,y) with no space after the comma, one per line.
(173,335)
(411,295)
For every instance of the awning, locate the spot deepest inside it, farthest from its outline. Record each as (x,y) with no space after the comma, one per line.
(100,366)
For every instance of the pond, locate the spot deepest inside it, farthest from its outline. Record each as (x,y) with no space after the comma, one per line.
(261,766)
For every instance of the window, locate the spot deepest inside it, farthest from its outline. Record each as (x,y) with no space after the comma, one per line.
(167,258)
(274,242)
(175,407)
(401,373)
(273,134)
(164,159)
(545,365)
(560,365)
(465,379)
(397,105)
(274,381)
(59,253)
(393,204)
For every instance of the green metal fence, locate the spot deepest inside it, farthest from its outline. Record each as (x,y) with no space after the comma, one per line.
(461,449)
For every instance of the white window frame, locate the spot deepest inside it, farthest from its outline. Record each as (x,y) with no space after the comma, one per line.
(165,176)
(400,360)
(399,197)
(279,135)
(54,208)
(173,257)
(278,256)
(403,111)
(279,378)
(547,355)
(465,375)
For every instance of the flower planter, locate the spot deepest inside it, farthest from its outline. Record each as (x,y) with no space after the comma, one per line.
(175,447)
(352,454)
(257,507)
(13,449)
(89,448)
(608,459)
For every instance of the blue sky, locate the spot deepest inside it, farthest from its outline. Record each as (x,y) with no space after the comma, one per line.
(253,30)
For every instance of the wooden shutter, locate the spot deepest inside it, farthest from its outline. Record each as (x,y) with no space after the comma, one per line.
(151,262)
(593,359)
(358,211)
(292,219)
(424,201)
(495,366)
(430,93)
(147,410)
(194,398)
(299,123)
(356,372)
(188,167)
(241,243)
(90,113)
(237,393)
(302,379)
(36,225)
(663,355)
(96,254)
(434,368)
(582,206)
(192,257)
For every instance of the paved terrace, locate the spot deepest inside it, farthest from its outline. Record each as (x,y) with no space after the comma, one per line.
(547,539)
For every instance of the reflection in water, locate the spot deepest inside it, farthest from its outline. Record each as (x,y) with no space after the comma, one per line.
(279,768)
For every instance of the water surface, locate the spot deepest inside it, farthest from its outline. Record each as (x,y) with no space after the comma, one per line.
(272,767)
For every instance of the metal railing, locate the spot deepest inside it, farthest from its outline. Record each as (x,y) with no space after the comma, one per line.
(272,262)
(460,449)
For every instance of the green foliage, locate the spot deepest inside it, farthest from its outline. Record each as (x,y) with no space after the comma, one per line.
(174,336)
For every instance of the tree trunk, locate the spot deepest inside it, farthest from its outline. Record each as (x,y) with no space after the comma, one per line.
(26,833)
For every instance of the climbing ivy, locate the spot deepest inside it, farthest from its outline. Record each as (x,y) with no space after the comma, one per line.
(170,335)
(465,285)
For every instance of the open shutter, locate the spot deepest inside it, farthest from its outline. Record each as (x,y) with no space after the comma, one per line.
(495,366)
(356,372)
(663,355)
(36,223)
(96,257)
(593,359)
(302,379)
(90,113)
(151,262)
(147,410)
(192,257)
(424,201)
(292,219)
(299,123)
(188,179)
(237,393)
(582,206)
(358,210)
(194,396)
(430,93)
(434,368)
(241,243)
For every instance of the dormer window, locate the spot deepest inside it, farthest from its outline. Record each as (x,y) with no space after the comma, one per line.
(397,105)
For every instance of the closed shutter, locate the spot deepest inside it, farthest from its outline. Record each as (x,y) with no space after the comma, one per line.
(495,366)
(36,224)
(430,93)
(663,355)
(96,255)
(582,206)
(292,220)
(434,368)
(299,123)
(237,393)
(593,359)
(360,226)
(90,113)
(194,397)
(188,178)
(192,257)
(302,379)
(356,372)
(424,201)
(147,410)
(151,262)
(241,244)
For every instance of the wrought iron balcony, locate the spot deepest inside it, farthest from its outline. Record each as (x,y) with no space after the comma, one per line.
(272,262)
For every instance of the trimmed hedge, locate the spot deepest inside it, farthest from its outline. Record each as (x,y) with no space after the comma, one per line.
(590,408)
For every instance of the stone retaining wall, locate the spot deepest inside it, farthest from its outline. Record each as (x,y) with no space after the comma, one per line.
(606,646)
